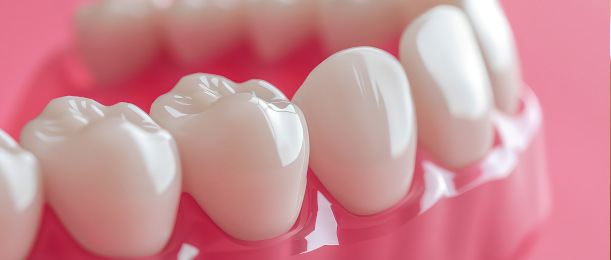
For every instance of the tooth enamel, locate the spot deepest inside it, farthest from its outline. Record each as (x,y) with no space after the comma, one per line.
(279,26)
(111,174)
(349,23)
(450,85)
(244,150)
(199,30)
(414,8)
(362,131)
(496,41)
(20,199)
(116,38)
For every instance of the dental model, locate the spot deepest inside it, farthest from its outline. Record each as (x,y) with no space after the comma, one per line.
(200,30)
(499,51)
(244,150)
(116,38)
(362,128)
(20,199)
(450,86)
(110,173)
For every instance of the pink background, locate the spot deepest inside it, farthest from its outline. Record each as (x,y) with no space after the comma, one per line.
(564,46)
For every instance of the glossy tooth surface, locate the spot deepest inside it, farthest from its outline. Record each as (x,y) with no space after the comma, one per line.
(20,199)
(110,173)
(244,148)
(350,23)
(450,86)
(116,38)
(362,128)
(199,30)
(497,43)
(279,26)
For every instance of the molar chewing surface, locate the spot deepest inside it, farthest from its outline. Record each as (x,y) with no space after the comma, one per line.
(111,174)
(244,148)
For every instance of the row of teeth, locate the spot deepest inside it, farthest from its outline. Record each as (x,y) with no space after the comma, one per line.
(114,174)
(117,38)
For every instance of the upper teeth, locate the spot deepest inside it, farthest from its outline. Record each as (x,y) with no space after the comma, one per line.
(20,199)
(217,122)
(110,174)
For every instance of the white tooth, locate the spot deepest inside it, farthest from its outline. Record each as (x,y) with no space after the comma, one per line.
(450,85)
(200,30)
(279,26)
(244,148)
(414,8)
(111,174)
(20,199)
(116,38)
(362,131)
(349,23)
(497,44)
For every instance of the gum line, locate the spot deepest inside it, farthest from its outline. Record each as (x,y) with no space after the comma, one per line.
(325,230)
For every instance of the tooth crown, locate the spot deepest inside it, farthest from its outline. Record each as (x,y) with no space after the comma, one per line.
(361,121)
(450,84)
(244,149)
(110,174)
(20,199)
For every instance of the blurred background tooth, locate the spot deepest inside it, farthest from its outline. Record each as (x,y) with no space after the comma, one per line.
(200,30)
(116,38)
(279,26)
(414,8)
(113,178)
(20,199)
(362,128)
(496,41)
(244,149)
(350,23)
(450,85)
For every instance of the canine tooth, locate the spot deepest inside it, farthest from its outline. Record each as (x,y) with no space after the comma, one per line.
(111,174)
(497,44)
(450,85)
(116,38)
(278,26)
(20,199)
(244,150)
(199,30)
(350,23)
(362,128)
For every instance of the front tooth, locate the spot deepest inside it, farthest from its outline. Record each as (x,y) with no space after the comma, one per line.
(450,85)
(499,51)
(244,148)
(116,38)
(279,26)
(414,8)
(20,199)
(361,123)
(349,23)
(200,30)
(111,174)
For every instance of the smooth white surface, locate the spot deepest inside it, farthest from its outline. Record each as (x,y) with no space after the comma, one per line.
(245,152)
(110,174)
(362,128)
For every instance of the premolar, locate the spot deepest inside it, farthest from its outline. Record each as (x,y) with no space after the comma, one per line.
(21,199)
(244,149)
(362,128)
(450,85)
(110,173)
